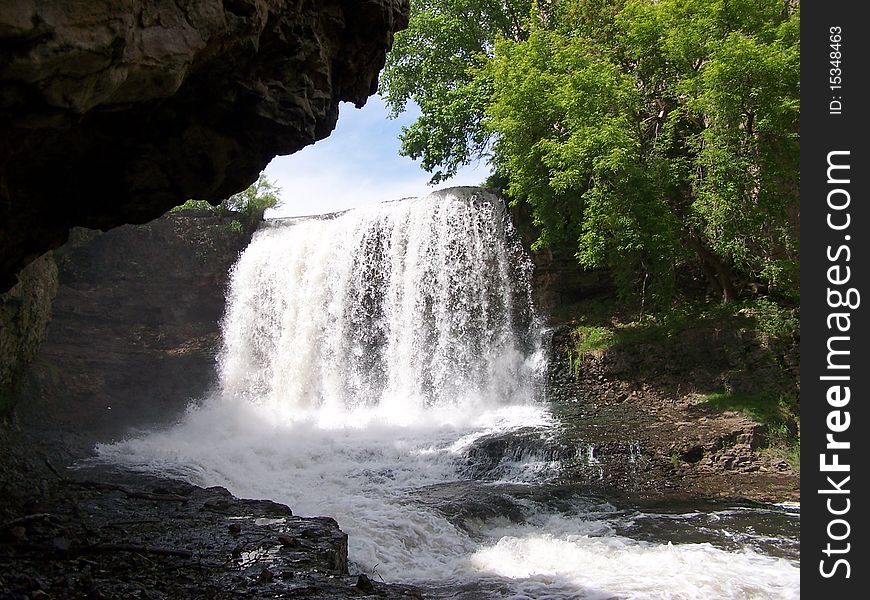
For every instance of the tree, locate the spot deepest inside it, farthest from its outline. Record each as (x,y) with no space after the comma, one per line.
(571,147)
(642,133)
(720,81)
(251,202)
(255,200)
(437,63)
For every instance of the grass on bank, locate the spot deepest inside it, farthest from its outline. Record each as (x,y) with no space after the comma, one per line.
(601,325)
(778,414)
(598,325)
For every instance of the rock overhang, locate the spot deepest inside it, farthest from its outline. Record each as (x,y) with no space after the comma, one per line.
(113,113)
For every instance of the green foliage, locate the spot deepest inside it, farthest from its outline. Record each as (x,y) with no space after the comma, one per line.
(193,205)
(773,319)
(784,444)
(762,409)
(252,203)
(599,328)
(778,414)
(255,200)
(568,140)
(642,133)
(437,62)
(591,338)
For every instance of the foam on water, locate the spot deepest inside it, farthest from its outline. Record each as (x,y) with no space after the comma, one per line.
(364,471)
(557,555)
(359,472)
(365,358)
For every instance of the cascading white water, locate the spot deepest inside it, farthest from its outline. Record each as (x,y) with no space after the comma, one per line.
(422,303)
(368,359)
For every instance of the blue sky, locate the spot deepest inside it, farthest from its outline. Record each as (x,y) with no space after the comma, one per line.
(359,163)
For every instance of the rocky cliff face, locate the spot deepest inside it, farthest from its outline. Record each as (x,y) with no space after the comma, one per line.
(113,112)
(25,311)
(558,281)
(135,325)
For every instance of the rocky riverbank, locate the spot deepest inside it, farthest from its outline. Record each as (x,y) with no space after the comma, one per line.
(95,533)
(133,337)
(703,410)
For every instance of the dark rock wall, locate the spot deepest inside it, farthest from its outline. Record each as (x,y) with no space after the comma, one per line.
(558,280)
(135,325)
(25,311)
(114,112)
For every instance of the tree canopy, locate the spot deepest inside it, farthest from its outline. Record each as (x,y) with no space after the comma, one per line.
(643,134)
(251,202)
(255,199)
(440,62)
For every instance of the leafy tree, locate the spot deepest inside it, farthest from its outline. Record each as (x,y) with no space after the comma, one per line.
(720,81)
(438,63)
(640,132)
(572,148)
(255,200)
(251,202)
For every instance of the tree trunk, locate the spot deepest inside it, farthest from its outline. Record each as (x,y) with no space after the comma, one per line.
(714,268)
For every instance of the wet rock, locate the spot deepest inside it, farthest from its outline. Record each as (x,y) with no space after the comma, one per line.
(364,584)
(19,534)
(126,546)
(218,504)
(60,545)
(268,507)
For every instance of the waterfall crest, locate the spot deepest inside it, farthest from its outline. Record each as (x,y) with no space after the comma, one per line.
(409,304)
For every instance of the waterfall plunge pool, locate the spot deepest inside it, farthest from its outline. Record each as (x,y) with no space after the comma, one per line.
(384,367)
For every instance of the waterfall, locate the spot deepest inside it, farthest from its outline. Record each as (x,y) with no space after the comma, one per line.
(382,366)
(407,305)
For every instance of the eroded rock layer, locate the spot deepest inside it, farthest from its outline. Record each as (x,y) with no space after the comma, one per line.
(113,112)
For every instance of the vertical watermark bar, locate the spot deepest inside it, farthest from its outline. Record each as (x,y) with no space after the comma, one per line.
(835,299)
